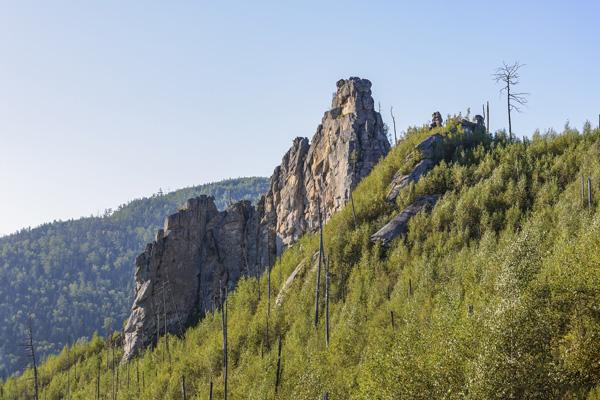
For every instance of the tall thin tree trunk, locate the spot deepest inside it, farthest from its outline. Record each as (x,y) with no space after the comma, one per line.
(508,106)
(68,371)
(114,381)
(394,122)
(582,191)
(278,372)
(210,387)
(318,285)
(31,348)
(224,328)
(183,392)
(165,322)
(327,301)
(590,199)
(487,116)
(98,379)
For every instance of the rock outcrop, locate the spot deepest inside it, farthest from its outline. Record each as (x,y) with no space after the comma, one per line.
(202,250)
(429,150)
(436,120)
(399,224)
(348,143)
(402,180)
(180,275)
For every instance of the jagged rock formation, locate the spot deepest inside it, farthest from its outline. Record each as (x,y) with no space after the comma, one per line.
(436,120)
(399,224)
(180,275)
(201,250)
(348,143)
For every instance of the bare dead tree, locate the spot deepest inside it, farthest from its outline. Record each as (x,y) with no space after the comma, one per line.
(354,159)
(224,328)
(394,123)
(508,76)
(327,301)
(318,283)
(278,371)
(487,117)
(30,348)
(98,377)
(68,370)
(590,198)
(183,391)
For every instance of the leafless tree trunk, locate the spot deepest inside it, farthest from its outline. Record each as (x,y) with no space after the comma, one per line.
(278,372)
(31,352)
(590,199)
(487,117)
(582,191)
(210,387)
(327,302)
(224,328)
(183,392)
(394,123)
(98,379)
(68,370)
(318,283)
(508,76)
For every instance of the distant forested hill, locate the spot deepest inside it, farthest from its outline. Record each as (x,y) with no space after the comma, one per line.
(76,277)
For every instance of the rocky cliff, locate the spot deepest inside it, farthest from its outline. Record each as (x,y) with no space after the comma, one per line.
(202,250)
(349,141)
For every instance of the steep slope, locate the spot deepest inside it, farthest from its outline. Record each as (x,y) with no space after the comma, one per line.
(492,295)
(75,277)
(201,253)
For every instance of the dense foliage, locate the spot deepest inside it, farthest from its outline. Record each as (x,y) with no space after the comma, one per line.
(76,277)
(494,295)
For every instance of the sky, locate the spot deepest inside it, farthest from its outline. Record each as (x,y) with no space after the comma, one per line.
(104,102)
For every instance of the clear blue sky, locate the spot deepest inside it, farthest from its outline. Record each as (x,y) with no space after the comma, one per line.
(102,103)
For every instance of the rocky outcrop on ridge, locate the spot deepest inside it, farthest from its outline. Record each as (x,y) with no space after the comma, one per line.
(180,275)
(348,143)
(429,150)
(399,224)
(202,250)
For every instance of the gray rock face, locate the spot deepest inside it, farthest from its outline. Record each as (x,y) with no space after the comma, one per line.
(347,145)
(400,180)
(430,146)
(202,250)
(429,149)
(399,224)
(180,275)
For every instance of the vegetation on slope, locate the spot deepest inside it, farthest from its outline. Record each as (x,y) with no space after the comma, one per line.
(495,294)
(76,277)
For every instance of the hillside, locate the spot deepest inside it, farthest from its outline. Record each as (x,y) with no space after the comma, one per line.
(76,277)
(492,295)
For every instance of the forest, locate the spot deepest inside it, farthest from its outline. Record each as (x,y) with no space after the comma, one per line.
(494,294)
(73,278)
